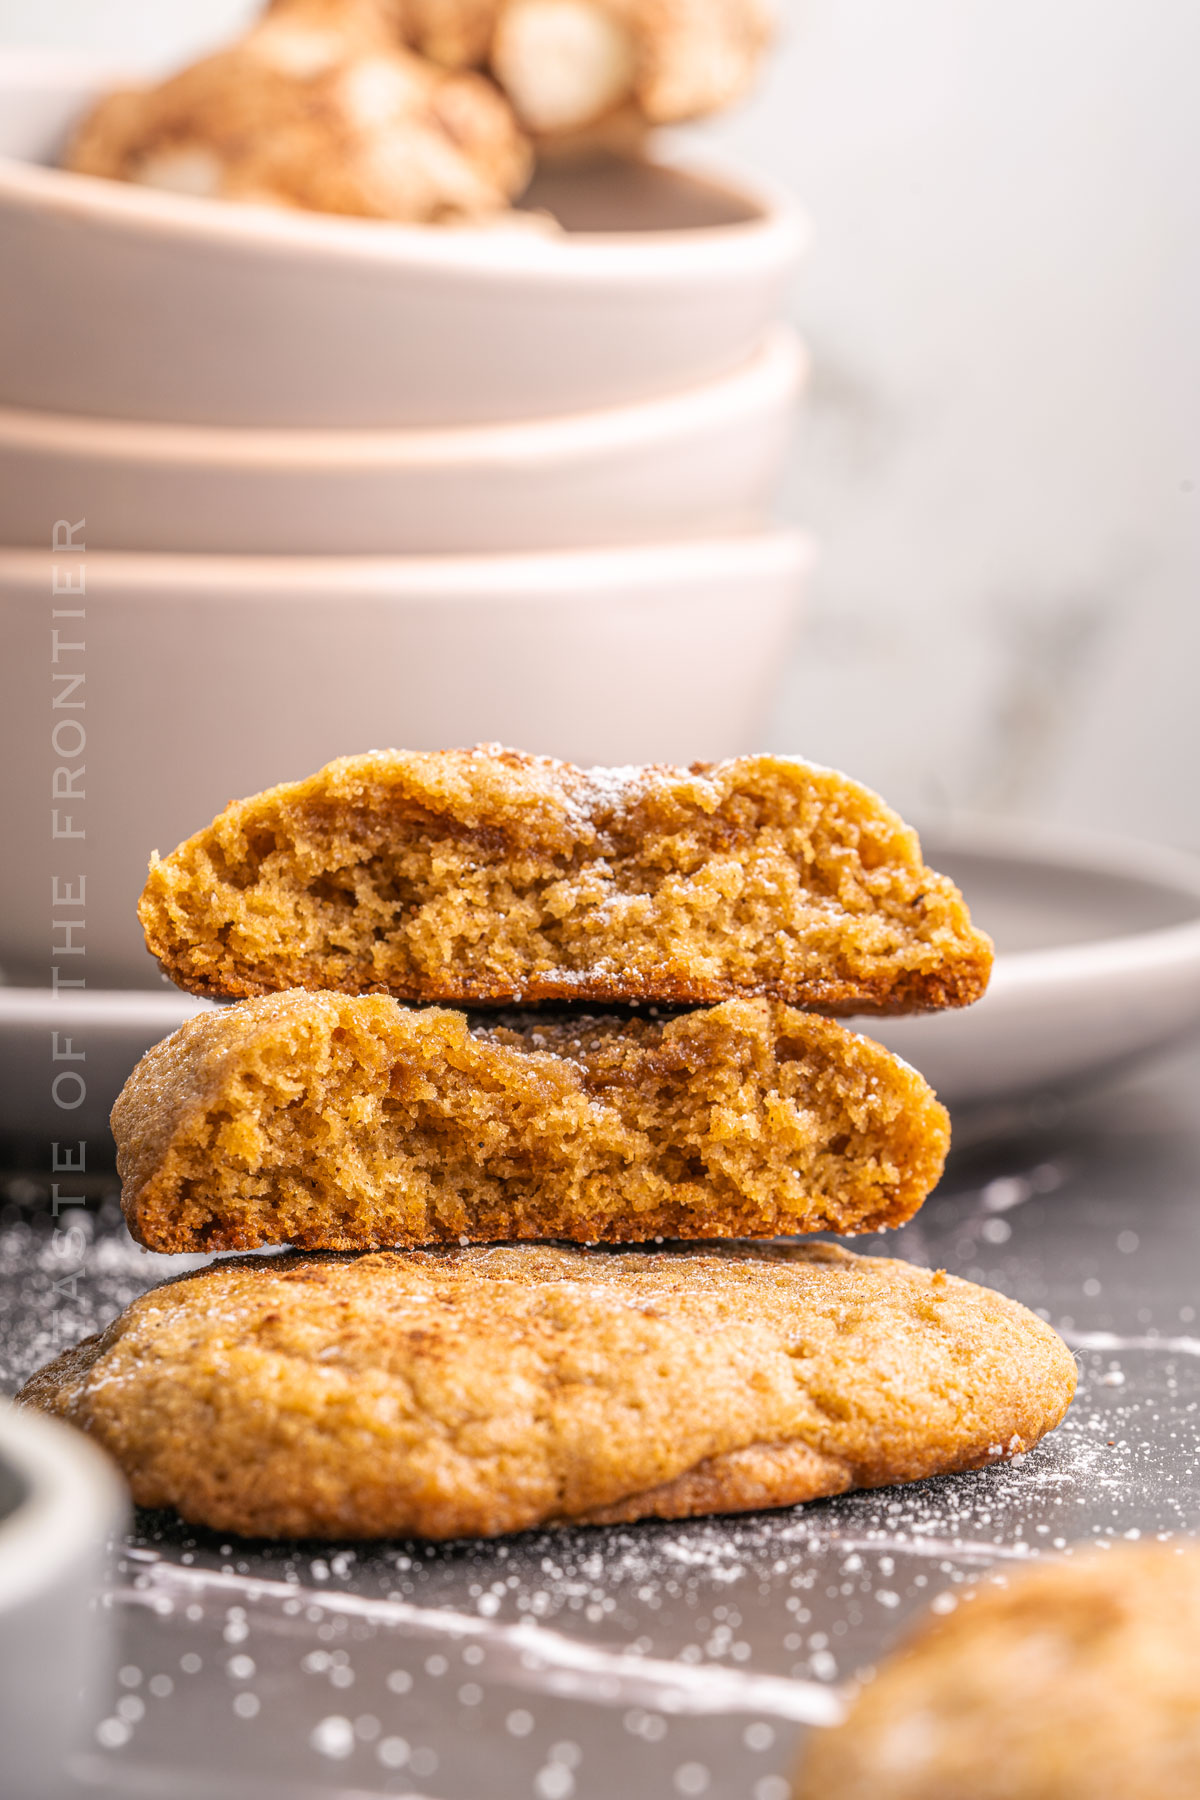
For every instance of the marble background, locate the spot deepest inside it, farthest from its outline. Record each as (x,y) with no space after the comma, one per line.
(1001,444)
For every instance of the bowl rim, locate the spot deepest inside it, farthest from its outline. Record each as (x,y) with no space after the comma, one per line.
(772,237)
(433,579)
(774,374)
(74,1498)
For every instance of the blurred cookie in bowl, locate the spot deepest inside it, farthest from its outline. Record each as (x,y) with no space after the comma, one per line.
(607,68)
(319,106)
(388,108)
(150,305)
(1078,1679)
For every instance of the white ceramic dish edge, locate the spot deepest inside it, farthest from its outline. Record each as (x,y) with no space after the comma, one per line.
(74,1499)
(780,365)
(53,1639)
(1058,1018)
(448,578)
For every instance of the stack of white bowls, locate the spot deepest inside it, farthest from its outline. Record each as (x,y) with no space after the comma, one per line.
(348,484)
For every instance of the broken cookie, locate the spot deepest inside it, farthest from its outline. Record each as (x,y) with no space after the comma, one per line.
(490,876)
(343,1123)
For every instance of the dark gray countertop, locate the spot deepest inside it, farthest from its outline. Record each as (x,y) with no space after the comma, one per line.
(660,1660)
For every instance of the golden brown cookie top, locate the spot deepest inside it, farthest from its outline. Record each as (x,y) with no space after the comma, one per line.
(1070,1681)
(489,875)
(480,1390)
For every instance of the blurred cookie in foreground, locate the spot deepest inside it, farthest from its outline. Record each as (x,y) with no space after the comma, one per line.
(488,875)
(321,107)
(343,1123)
(1077,1680)
(466,1392)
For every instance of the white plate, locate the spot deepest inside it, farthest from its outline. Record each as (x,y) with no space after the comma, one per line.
(139,304)
(1098,962)
(1098,965)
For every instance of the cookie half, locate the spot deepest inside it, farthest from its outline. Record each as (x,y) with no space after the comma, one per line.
(1071,1681)
(474,1391)
(329,113)
(487,875)
(341,1123)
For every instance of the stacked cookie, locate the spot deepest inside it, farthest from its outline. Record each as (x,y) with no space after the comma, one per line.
(672,928)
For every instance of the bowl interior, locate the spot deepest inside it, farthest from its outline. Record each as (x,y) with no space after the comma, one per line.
(611,193)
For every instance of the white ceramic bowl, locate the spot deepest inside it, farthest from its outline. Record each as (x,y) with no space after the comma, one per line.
(144,305)
(60,1502)
(693,465)
(210,677)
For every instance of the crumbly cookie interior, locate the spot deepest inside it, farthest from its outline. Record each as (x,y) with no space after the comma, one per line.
(490,876)
(345,1123)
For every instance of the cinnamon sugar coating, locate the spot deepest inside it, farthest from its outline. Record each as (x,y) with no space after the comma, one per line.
(490,876)
(474,1391)
(1075,1680)
(343,1123)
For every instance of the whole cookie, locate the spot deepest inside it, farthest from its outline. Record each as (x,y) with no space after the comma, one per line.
(469,1392)
(1075,1681)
